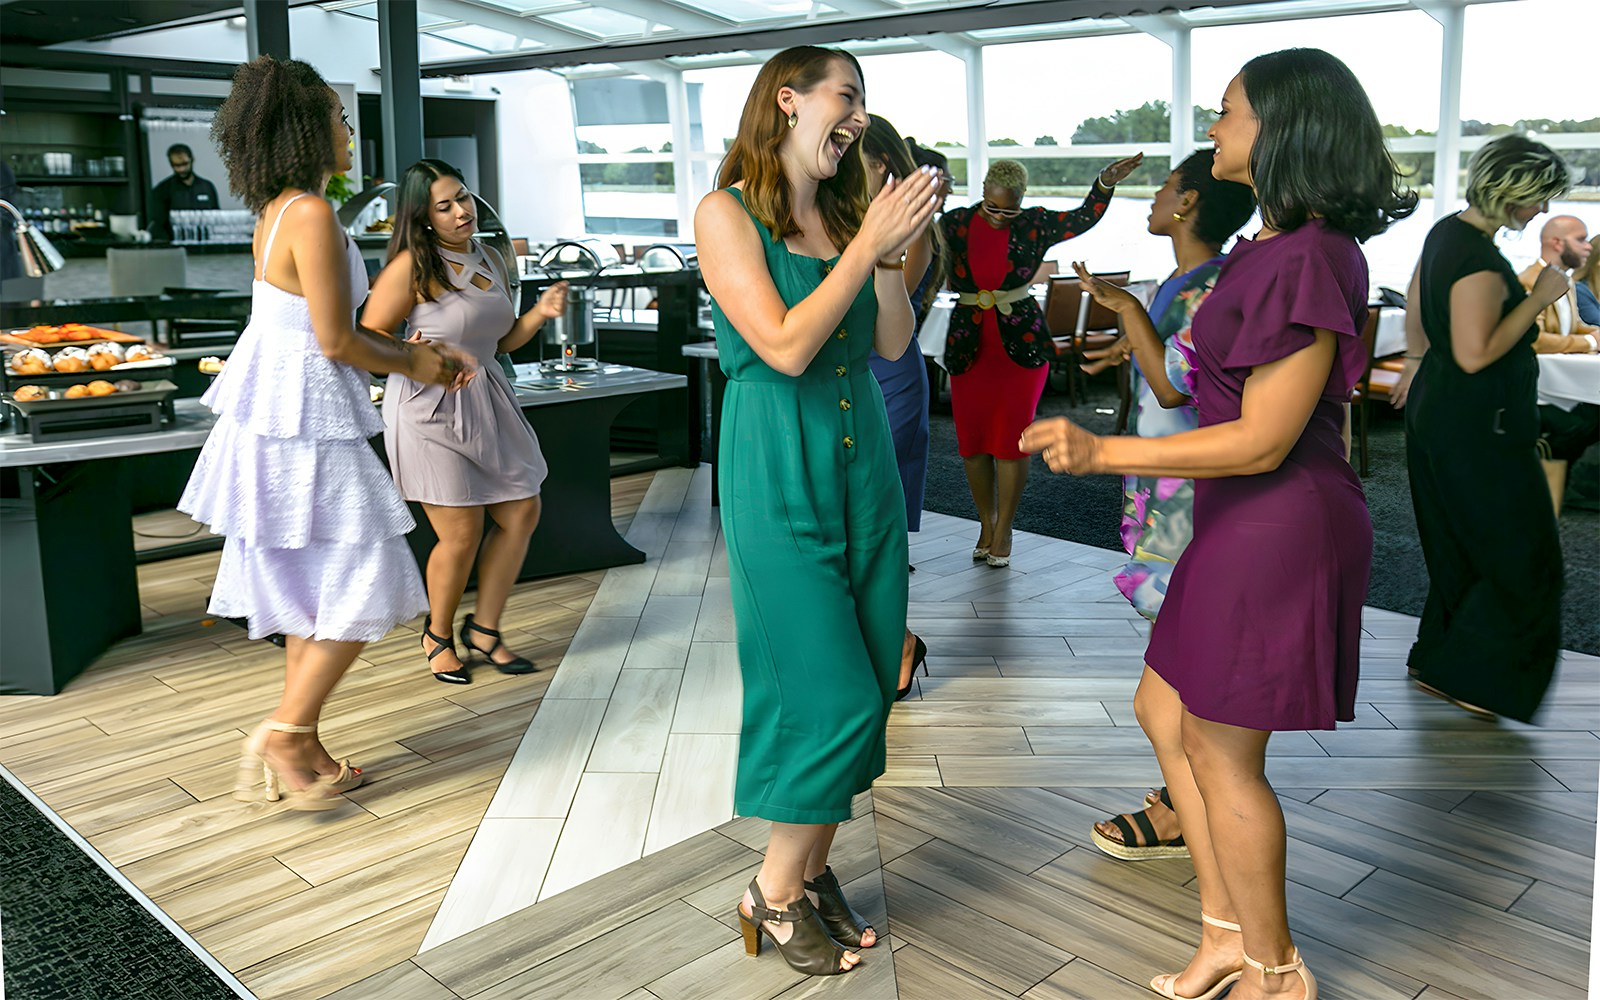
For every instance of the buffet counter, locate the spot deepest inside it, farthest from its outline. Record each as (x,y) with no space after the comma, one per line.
(66,518)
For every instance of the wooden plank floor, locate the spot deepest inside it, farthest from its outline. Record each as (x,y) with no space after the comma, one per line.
(137,756)
(1431,855)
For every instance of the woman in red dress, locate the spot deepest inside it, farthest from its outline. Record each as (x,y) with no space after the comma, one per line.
(998,352)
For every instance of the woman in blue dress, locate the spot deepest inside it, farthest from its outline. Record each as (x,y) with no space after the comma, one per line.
(905,381)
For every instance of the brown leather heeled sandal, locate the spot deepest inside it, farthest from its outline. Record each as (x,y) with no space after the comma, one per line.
(809,949)
(844,924)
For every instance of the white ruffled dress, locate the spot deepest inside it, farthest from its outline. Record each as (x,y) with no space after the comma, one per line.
(315,528)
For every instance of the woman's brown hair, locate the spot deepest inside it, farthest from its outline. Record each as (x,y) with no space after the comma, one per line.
(753,157)
(882,142)
(275,130)
(411,229)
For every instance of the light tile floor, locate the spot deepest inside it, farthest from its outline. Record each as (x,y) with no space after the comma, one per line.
(1030,683)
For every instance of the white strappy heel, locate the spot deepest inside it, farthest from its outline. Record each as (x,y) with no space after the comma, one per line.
(1164,983)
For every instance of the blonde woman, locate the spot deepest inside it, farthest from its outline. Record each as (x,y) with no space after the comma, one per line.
(998,352)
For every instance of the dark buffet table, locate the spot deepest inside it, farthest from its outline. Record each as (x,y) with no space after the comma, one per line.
(126,309)
(69,587)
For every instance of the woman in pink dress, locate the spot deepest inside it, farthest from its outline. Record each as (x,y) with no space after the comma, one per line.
(316,547)
(1261,626)
(461,455)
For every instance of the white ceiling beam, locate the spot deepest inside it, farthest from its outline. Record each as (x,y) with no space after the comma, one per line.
(690,22)
(466,12)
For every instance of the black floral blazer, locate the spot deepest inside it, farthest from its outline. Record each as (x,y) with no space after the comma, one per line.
(1033,232)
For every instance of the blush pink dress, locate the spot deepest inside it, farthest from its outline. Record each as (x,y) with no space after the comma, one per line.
(471,446)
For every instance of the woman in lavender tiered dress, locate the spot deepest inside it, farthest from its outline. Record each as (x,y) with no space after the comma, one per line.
(316,545)
(463,454)
(1198,213)
(1261,627)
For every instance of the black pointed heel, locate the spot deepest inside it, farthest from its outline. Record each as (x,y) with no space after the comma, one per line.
(919,659)
(844,924)
(520,665)
(809,950)
(443,642)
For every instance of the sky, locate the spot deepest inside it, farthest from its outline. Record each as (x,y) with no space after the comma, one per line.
(1522,59)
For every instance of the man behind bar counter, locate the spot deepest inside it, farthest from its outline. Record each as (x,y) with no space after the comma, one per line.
(182,190)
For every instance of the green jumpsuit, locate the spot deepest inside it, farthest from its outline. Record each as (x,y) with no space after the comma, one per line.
(815,522)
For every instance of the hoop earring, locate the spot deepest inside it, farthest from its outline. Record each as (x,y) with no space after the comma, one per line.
(794,119)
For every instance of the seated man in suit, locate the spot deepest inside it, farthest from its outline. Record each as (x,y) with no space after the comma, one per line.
(1564,435)
(1563,243)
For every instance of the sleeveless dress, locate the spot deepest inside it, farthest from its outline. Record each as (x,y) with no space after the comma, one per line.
(994,400)
(905,395)
(814,520)
(1261,627)
(316,542)
(471,446)
(1158,511)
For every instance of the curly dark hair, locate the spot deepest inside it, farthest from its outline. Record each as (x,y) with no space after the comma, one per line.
(275,130)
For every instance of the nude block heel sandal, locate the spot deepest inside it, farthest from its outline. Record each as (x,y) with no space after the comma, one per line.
(1163,984)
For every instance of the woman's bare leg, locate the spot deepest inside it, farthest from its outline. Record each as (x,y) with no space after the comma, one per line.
(1160,713)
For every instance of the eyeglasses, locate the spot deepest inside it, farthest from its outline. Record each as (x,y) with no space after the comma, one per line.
(1001,213)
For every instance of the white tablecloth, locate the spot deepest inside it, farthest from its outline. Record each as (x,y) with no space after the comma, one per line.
(1565,380)
(1391,333)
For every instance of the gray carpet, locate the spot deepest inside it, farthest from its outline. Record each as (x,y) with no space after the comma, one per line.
(1088,509)
(71,933)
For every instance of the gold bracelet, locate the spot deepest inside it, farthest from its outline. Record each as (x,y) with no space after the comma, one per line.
(899,265)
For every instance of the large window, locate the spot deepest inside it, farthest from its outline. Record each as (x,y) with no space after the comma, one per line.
(625,161)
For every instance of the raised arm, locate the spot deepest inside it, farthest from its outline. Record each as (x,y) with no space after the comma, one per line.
(734,266)
(1278,400)
(1479,335)
(1141,333)
(1058,226)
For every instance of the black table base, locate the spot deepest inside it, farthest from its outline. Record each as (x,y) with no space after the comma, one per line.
(575,532)
(71,587)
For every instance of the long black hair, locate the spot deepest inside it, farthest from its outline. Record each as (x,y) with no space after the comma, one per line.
(882,142)
(1319,149)
(1222,206)
(411,229)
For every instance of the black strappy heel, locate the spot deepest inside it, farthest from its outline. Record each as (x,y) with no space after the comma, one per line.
(444,642)
(520,665)
(809,949)
(844,924)
(919,659)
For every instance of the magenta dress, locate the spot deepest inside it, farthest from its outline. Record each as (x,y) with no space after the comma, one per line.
(1262,623)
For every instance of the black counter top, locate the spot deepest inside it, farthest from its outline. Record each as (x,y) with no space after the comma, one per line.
(86,249)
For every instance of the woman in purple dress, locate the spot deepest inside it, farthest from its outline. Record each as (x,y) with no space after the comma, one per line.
(1261,626)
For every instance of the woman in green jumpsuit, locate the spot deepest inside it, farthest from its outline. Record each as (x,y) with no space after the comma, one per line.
(812,507)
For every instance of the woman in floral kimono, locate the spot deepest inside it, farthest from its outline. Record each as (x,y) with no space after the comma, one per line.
(1198,213)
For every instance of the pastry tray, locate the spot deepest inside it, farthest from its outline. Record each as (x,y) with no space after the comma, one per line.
(153,392)
(139,371)
(101,335)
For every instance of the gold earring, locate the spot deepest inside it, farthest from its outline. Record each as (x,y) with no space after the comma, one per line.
(1176,217)
(794,119)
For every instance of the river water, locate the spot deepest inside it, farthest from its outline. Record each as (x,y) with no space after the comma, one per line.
(1119,241)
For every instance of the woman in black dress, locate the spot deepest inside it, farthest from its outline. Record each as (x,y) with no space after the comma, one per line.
(1491,628)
